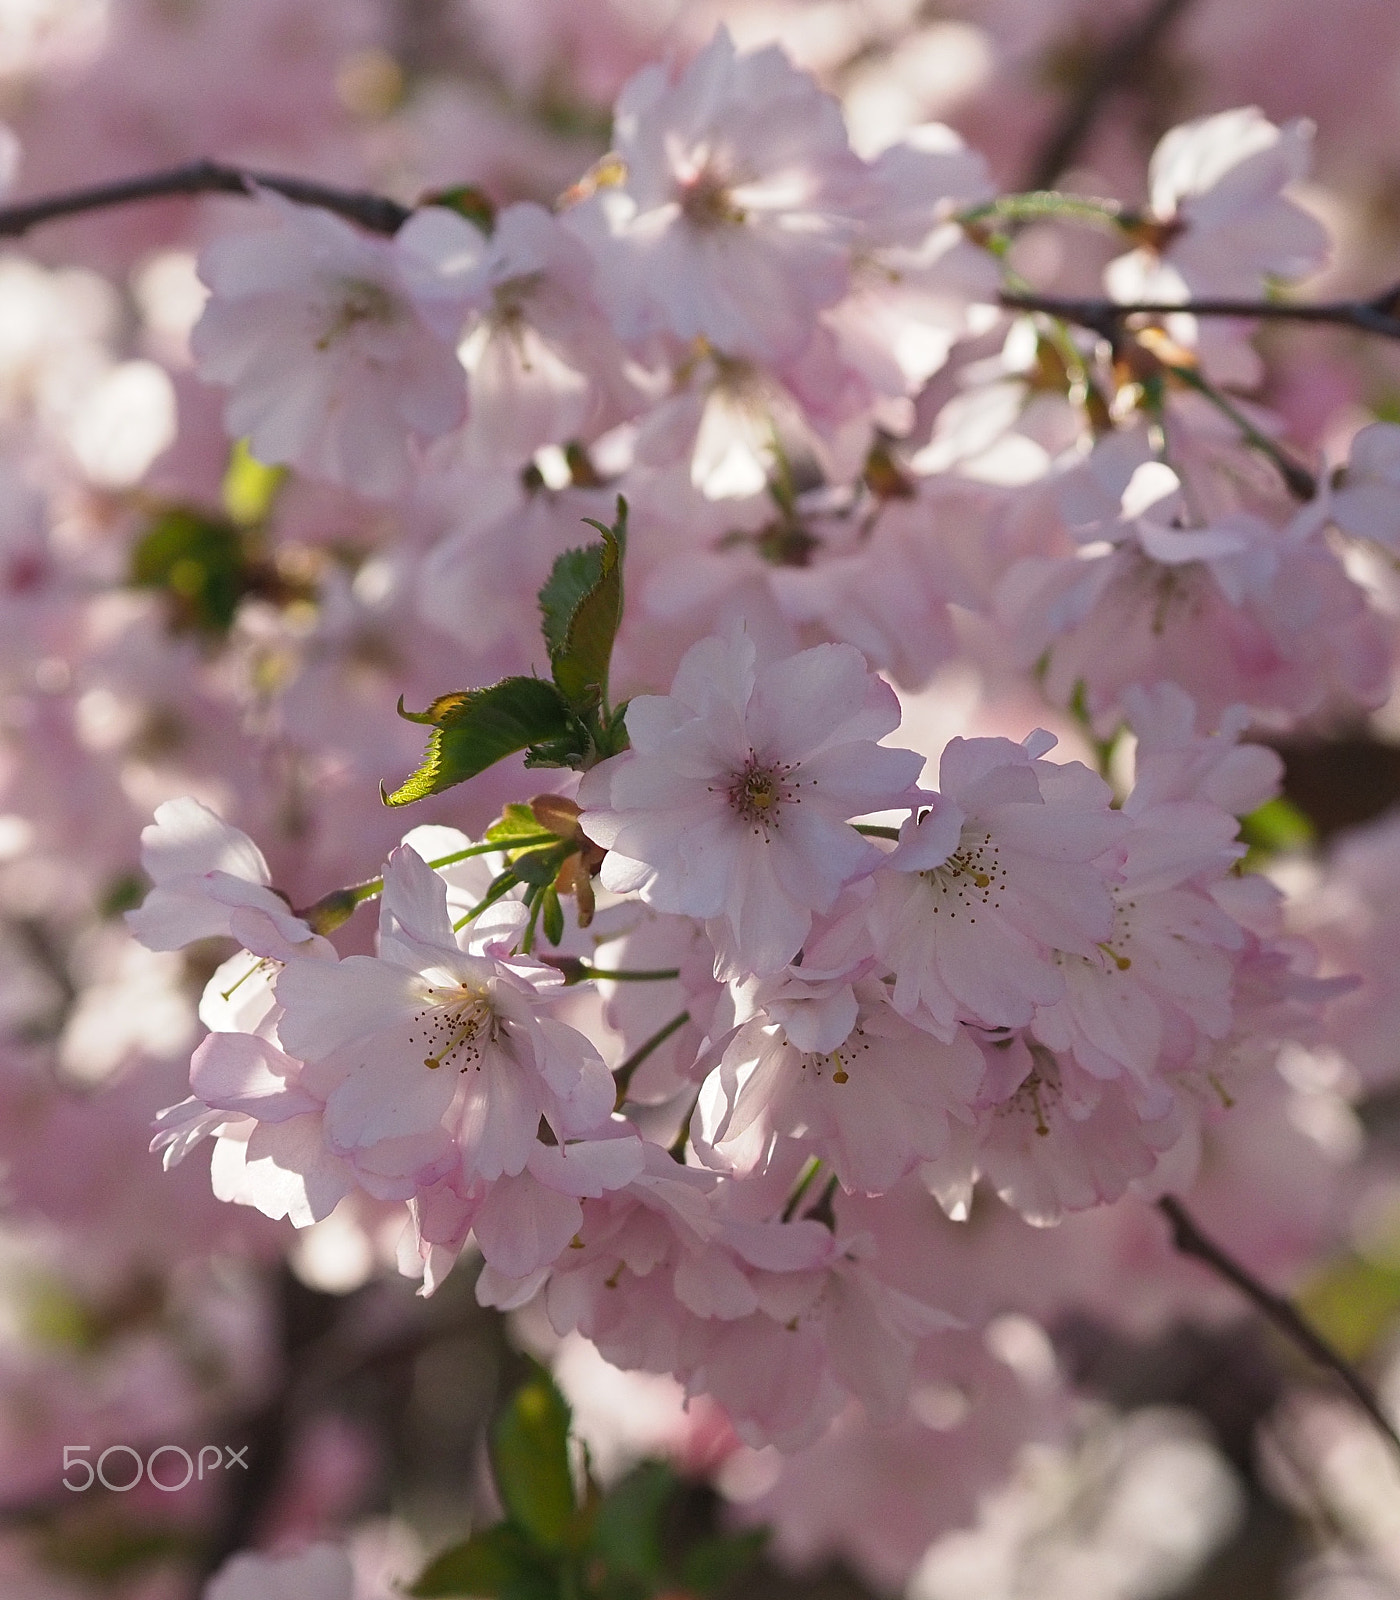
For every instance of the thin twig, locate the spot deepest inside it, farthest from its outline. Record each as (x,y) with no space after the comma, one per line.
(373,211)
(1191,1241)
(1116,66)
(1106,316)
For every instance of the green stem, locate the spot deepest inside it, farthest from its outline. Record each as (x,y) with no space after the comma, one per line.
(340,904)
(629,974)
(502,886)
(527,939)
(804,1183)
(623,1076)
(1299,480)
(875,830)
(1040,204)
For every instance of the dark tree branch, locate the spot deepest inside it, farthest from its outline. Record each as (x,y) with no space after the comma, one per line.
(375,212)
(1283,1314)
(1119,62)
(1108,316)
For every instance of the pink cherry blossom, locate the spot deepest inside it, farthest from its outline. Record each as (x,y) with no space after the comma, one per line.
(732,802)
(316,330)
(1366,501)
(1217,192)
(733,222)
(1235,610)
(986,886)
(429,1034)
(871,1097)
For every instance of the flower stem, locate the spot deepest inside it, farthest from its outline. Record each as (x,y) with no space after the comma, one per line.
(623,1076)
(336,907)
(502,886)
(1040,204)
(1301,483)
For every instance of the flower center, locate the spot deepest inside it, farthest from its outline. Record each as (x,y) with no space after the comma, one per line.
(360,301)
(455,1024)
(760,790)
(970,878)
(836,1064)
(706,202)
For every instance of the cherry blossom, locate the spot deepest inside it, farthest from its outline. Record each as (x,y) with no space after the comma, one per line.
(1364,503)
(733,219)
(988,884)
(428,1032)
(316,330)
(1217,196)
(872,1097)
(732,803)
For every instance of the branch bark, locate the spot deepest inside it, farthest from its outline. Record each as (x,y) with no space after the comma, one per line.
(1190,1240)
(1119,61)
(1106,317)
(375,212)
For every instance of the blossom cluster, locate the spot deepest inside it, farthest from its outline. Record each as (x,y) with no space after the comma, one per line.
(1031,987)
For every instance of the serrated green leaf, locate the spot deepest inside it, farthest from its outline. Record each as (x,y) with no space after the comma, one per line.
(581,609)
(713,1564)
(573,574)
(628,1523)
(476,728)
(498,1563)
(530,1461)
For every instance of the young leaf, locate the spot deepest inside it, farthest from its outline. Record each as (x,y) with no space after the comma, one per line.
(499,1563)
(572,576)
(200,562)
(517,822)
(530,1461)
(475,728)
(628,1524)
(580,609)
(713,1564)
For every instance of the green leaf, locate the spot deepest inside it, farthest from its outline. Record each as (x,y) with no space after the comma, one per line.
(476,728)
(201,563)
(628,1523)
(713,1564)
(516,822)
(530,1461)
(540,867)
(571,577)
(581,609)
(499,1563)
(1277,826)
(1353,1303)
